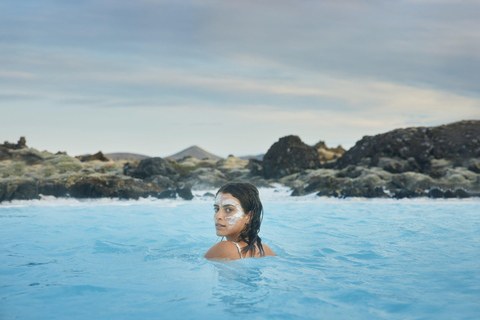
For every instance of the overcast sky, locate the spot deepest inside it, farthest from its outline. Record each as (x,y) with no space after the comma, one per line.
(155,77)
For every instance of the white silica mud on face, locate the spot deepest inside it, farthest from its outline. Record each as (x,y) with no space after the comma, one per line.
(233,219)
(227,200)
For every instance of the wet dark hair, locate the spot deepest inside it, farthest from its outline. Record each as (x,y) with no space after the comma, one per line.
(249,199)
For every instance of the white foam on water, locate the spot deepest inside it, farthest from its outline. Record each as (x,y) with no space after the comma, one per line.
(46,201)
(278,193)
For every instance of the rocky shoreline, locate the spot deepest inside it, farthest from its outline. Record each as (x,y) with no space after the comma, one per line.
(435,162)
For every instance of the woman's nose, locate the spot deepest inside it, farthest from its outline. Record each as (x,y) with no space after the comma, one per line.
(219,215)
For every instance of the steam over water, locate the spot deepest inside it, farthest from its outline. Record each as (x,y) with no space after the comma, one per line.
(337,259)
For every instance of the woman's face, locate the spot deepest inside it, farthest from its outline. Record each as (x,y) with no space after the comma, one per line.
(229,217)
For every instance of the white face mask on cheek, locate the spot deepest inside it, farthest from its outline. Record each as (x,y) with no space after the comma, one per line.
(233,220)
(222,200)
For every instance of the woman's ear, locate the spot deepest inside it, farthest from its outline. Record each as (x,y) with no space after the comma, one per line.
(249,216)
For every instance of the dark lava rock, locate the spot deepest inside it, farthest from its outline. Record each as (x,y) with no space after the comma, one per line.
(209,195)
(349,172)
(4,154)
(412,165)
(449,194)
(24,190)
(29,156)
(112,187)
(91,188)
(364,191)
(97,156)
(152,167)
(329,193)
(255,166)
(55,189)
(402,181)
(128,169)
(185,193)
(474,166)
(289,155)
(297,192)
(455,141)
(21,144)
(437,173)
(405,193)
(206,178)
(462,194)
(6,191)
(161,181)
(393,167)
(436,193)
(27,190)
(322,183)
(167,194)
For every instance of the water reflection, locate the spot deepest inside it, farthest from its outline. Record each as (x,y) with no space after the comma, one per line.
(241,288)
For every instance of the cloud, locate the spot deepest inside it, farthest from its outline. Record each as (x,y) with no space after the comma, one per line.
(397,42)
(354,93)
(11,97)
(13,75)
(332,70)
(415,42)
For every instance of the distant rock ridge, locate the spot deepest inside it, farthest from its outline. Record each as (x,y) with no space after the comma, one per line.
(437,162)
(153,167)
(21,144)
(90,157)
(417,146)
(257,157)
(195,152)
(6,148)
(126,156)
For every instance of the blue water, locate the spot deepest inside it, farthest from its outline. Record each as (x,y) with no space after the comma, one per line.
(337,259)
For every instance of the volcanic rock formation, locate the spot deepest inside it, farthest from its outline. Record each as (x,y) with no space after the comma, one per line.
(289,155)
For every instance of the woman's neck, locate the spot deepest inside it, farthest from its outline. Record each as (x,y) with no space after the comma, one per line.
(236,239)
(233,238)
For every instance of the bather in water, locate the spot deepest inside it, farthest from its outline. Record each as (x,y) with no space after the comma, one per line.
(238,216)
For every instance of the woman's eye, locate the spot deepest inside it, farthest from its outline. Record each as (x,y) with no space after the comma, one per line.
(215,210)
(228,210)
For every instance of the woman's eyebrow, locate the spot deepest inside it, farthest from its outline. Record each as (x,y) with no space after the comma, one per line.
(225,205)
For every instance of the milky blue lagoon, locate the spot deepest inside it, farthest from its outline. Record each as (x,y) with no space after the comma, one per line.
(337,259)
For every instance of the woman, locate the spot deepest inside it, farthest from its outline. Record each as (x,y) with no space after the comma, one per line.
(238,215)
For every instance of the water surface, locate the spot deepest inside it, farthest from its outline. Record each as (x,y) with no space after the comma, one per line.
(337,259)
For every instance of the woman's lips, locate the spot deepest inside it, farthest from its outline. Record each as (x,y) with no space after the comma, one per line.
(218,226)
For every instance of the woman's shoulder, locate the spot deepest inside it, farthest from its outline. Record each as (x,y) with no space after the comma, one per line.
(222,250)
(267,250)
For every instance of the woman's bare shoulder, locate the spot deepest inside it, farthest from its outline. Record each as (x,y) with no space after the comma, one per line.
(268,251)
(223,250)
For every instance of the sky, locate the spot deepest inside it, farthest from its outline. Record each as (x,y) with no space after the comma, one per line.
(155,77)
